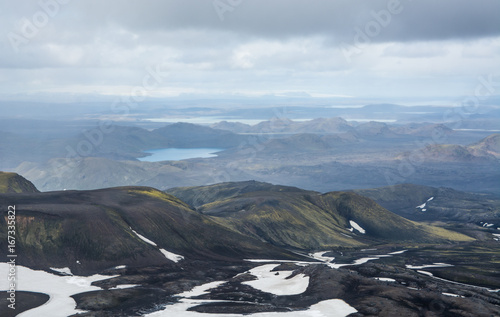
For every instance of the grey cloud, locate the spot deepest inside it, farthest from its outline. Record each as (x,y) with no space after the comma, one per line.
(418,20)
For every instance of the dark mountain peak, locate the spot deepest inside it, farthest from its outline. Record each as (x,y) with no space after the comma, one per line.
(15,183)
(89,231)
(201,195)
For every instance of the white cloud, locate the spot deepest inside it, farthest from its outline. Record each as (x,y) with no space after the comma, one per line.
(260,47)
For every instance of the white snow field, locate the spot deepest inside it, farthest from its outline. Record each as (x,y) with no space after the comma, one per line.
(59,288)
(277,282)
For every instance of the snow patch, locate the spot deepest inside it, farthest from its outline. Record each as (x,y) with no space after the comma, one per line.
(398,252)
(452,295)
(320,256)
(357,227)
(201,290)
(169,255)
(64,270)
(122,286)
(278,282)
(385,279)
(424,204)
(425,266)
(143,238)
(330,308)
(172,256)
(300,263)
(59,288)
(425,273)
(119,267)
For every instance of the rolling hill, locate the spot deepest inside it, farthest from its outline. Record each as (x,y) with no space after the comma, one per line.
(89,231)
(290,217)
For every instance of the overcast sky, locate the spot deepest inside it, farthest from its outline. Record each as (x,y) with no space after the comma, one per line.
(251,47)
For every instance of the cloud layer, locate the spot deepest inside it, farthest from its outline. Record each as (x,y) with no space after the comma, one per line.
(358,48)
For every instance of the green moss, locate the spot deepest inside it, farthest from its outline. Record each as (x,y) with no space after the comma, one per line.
(14,183)
(445,234)
(154,193)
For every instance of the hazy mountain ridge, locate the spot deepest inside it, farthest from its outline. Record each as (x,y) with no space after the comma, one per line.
(486,150)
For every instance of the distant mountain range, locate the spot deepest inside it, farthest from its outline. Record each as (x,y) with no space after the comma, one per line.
(486,150)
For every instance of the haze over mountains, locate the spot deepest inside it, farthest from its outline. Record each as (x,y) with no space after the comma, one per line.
(333,149)
(374,204)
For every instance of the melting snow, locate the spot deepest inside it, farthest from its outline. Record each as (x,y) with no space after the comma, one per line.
(143,238)
(172,256)
(124,286)
(385,279)
(59,288)
(357,227)
(448,281)
(320,256)
(64,270)
(425,273)
(200,290)
(277,282)
(169,255)
(398,252)
(424,204)
(331,307)
(425,266)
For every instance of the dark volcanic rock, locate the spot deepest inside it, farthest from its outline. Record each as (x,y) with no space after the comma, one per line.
(24,302)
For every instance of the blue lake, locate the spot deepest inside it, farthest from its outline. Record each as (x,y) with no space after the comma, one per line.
(174,154)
